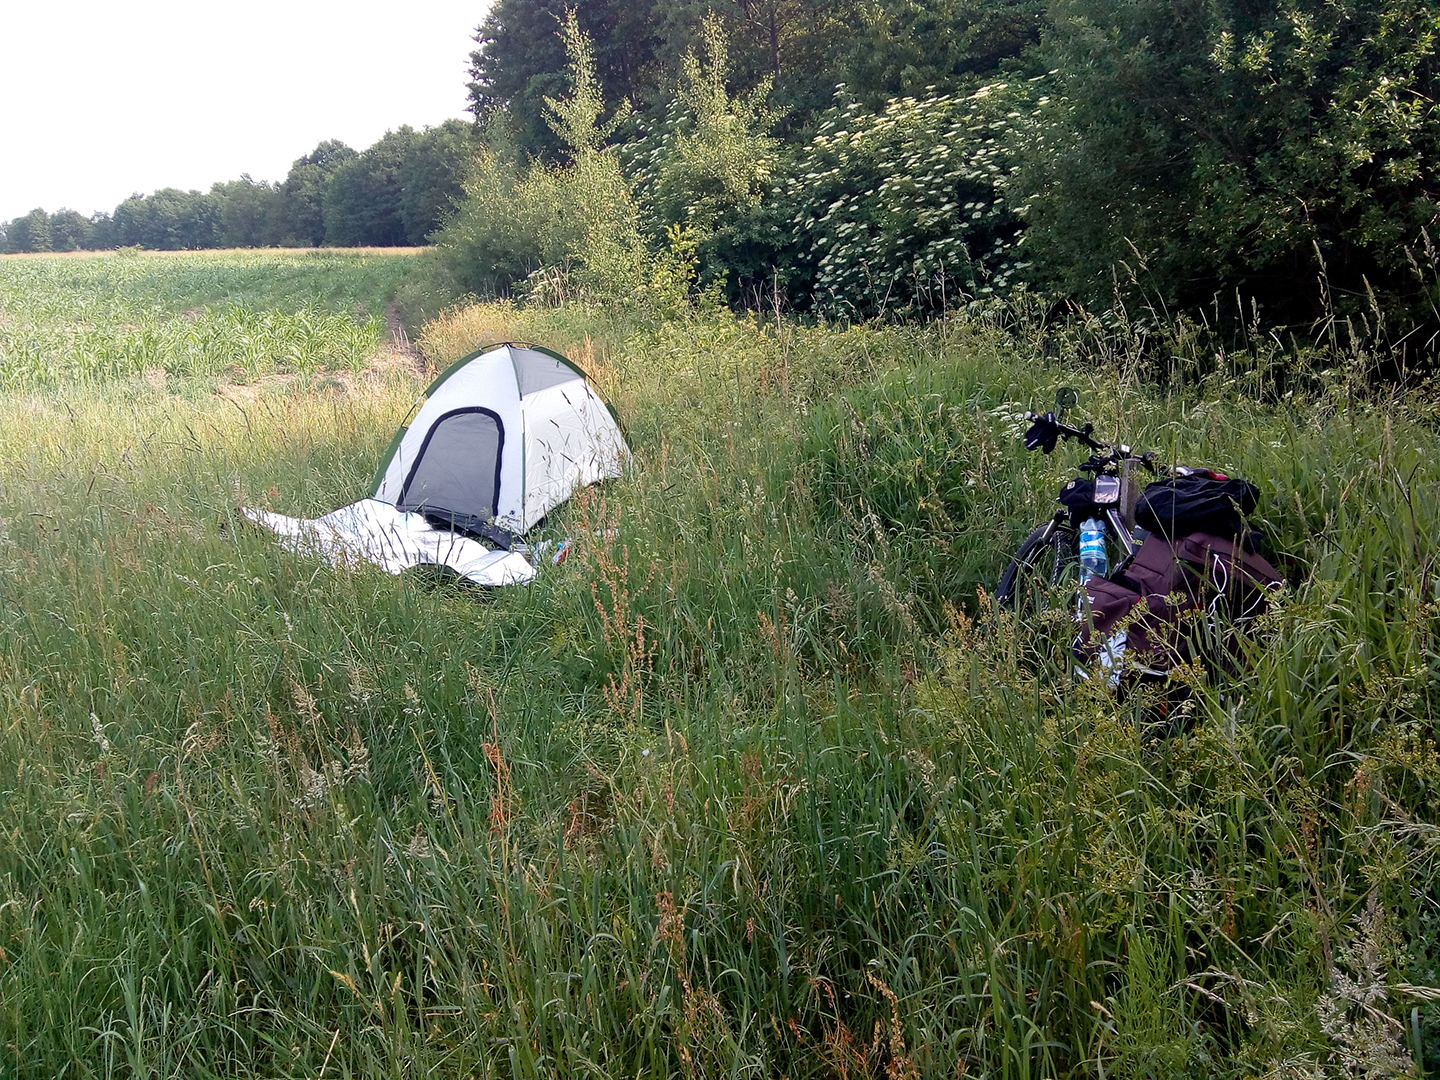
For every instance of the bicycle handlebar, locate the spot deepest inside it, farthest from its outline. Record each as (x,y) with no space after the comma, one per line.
(1112,451)
(1065,431)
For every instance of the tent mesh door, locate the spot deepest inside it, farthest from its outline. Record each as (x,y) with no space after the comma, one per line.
(456,476)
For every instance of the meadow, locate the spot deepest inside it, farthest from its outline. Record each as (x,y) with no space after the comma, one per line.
(754,784)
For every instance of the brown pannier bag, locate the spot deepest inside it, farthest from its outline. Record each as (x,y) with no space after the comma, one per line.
(1177,600)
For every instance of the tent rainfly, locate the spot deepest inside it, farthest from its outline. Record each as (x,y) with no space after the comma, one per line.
(502,437)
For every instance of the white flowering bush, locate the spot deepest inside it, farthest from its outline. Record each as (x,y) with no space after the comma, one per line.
(902,211)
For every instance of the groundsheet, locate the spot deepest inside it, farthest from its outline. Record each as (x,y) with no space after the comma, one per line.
(376,532)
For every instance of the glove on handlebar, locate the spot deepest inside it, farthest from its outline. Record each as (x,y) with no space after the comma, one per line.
(1043,433)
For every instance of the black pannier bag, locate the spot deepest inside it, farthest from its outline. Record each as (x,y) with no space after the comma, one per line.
(1200,502)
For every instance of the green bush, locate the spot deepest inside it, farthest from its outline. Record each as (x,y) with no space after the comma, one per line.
(1273,152)
(568,230)
(715,157)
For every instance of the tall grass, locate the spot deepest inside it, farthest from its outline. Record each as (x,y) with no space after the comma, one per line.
(754,783)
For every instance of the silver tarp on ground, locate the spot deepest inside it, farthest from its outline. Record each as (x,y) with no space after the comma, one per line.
(376,532)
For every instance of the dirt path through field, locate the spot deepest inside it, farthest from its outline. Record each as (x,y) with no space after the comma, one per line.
(400,348)
(397,353)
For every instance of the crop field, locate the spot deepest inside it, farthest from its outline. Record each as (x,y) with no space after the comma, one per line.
(89,318)
(754,784)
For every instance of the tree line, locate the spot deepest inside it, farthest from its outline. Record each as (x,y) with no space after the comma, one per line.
(394,193)
(1247,161)
(878,49)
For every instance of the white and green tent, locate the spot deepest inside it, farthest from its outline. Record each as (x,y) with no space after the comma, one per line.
(503,436)
(498,440)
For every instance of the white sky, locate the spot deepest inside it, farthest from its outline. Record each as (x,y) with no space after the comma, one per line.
(99,100)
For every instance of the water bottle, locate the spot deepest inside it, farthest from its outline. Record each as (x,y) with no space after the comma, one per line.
(1093,560)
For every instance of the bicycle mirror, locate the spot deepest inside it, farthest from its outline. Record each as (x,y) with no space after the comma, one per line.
(1065,398)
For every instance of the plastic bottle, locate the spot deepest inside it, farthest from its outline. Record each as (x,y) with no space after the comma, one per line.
(1093,560)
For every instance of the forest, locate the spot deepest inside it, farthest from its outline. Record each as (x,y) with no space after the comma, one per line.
(1245,163)
(394,193)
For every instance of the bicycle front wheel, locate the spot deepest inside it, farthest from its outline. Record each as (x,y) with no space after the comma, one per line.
(1047,558)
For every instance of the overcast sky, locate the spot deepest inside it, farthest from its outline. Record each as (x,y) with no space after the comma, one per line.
(99,100)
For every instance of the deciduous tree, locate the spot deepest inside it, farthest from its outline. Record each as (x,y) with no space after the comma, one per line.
(361,202)
(304,191)
(432,177)
(69,231)
(169,220)
(1237,146)
(29,233)
(251,214)
(521,61)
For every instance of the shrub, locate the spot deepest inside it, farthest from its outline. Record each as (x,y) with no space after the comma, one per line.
(715,159)
(901,211)
(565,229)
(1282,150)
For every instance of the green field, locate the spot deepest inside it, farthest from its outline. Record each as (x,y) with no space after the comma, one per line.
(753,785)
(243,314)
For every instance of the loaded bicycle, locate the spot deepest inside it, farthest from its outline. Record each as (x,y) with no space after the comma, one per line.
(1187,580)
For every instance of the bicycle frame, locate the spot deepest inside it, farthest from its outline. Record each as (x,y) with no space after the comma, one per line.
(1120,517)
(1059,534)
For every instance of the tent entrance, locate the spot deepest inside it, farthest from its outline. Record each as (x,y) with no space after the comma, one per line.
(456,476)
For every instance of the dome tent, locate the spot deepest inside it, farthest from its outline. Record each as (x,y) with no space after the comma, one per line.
(503,436)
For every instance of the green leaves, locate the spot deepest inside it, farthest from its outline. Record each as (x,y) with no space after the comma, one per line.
(717,157)
(576,118)
(903,210)
(1208,147)
(29,233)
(567,232)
